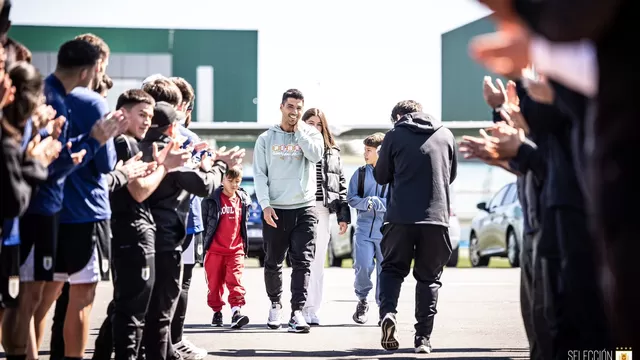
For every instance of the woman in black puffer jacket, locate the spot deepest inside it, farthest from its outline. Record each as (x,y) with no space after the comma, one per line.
(331,199)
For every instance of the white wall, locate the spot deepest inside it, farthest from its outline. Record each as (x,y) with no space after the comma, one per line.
(351,58)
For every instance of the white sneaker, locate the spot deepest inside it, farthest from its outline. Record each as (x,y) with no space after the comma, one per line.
(298,324)
(275,316)
(188,351)
(311,318)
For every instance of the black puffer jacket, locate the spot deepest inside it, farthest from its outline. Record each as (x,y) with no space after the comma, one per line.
(334,185)
(211,215)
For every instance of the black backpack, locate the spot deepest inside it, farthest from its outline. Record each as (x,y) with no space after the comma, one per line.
(361,175)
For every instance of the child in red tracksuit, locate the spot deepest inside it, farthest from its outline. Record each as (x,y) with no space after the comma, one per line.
(225,221)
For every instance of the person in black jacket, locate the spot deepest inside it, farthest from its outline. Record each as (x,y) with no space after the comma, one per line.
(418,158)
(169,205)
(572,314)
(331,198)
(24,164)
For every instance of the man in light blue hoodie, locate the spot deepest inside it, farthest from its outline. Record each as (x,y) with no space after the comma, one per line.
(369,198)
(284,174)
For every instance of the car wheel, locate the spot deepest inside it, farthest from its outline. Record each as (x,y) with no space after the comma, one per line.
(474,253)
(513,252)
(453,260)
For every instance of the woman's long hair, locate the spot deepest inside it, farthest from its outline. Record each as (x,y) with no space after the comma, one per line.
(28,83)
(326,134)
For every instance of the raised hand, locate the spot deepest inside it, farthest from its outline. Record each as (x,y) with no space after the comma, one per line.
(108,127)
(494,95)
(43,151)
(77,157)
(200,146)
(232,157)
(502,52)
(508,141)
(540,90)
(7,90)
(514,118)
(135,167)
(172,156)
(43,116)
(54,127)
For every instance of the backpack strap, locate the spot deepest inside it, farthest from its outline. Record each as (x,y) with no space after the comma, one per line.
(361,176)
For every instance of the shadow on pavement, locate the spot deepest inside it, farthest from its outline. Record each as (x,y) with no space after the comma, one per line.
(373,353)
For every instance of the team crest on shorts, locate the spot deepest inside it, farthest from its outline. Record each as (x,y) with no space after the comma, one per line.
(47,262)
(14,286)
(146,272)
(105,265)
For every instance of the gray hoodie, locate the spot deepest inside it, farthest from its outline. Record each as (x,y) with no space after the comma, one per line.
(284,167)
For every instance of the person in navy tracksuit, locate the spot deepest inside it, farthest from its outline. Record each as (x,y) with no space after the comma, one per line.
(84,248)
(77,62)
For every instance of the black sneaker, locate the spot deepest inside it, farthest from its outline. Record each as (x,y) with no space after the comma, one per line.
(238,320)
(360,316)
(217,319)
(298,324)
(422,345)
(389,324)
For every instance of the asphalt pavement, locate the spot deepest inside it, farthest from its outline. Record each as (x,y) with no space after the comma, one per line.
(478,318)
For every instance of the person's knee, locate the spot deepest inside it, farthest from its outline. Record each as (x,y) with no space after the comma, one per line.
(82,295)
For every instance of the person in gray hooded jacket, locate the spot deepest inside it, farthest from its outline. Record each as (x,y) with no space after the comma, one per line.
(285,180)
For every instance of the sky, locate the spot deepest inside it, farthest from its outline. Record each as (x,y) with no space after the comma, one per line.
(352,59)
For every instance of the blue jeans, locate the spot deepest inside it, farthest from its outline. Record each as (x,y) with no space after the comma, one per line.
(365,251)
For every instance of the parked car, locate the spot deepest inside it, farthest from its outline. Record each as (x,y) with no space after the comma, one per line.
(254,223)
(454,236)
(497,229)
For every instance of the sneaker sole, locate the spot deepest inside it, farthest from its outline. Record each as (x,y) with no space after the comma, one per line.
(217,325)
(274,326)
(299,331)
(423,349)
(389,341)
(244,320)
(355,319)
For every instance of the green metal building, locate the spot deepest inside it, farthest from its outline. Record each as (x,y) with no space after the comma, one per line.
(221,64)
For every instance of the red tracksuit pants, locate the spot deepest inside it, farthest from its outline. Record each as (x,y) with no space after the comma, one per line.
(221,271)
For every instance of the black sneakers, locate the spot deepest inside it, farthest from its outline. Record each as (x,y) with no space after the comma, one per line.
(217,319)
(238,320)
(388,326)
(422,345)
(360,316)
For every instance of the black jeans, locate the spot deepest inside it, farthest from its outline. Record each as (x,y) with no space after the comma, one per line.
(104,342)
(431,248)
(177,324)
(296,232)
(57,325)
(166,291)
(532,299)
(134,279)
(574,304)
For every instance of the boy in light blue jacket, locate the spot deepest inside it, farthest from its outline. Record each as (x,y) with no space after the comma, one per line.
(369,199)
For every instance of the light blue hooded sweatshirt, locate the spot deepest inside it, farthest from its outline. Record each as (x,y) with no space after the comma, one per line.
(370,218)
(284,169)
